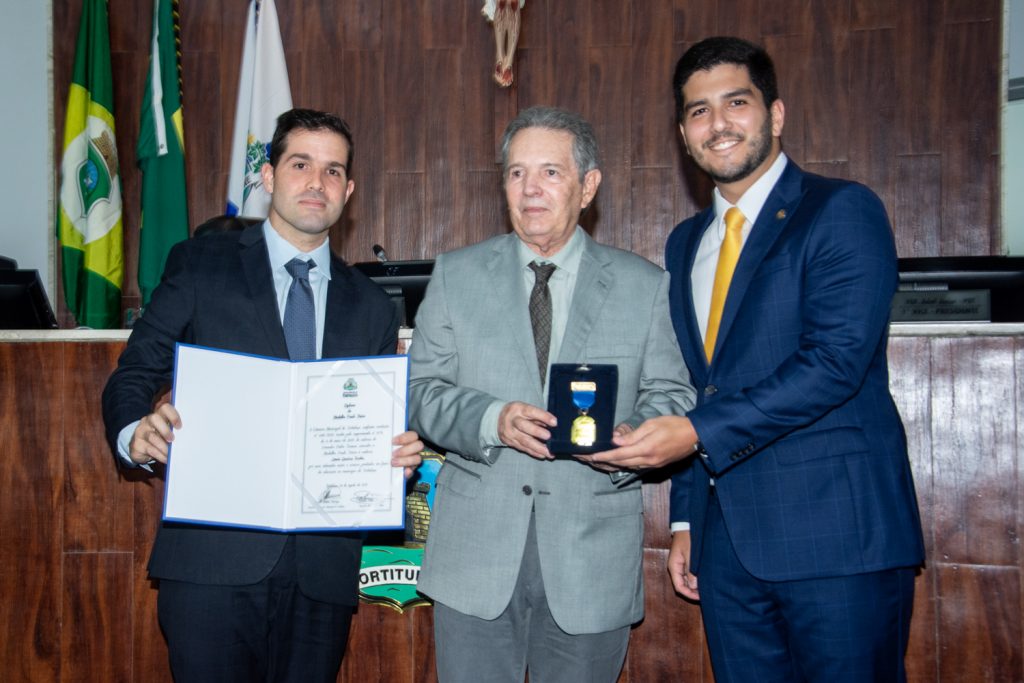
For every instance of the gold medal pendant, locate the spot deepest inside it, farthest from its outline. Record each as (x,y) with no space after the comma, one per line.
(584,431)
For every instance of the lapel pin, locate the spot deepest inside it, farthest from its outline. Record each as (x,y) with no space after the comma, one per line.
(780,214)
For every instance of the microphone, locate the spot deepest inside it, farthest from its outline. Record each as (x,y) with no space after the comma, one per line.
(379,252)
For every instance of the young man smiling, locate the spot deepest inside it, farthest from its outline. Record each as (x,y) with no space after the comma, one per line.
(798,515)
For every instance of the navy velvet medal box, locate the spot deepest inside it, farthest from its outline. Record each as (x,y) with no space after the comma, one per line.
(562,405)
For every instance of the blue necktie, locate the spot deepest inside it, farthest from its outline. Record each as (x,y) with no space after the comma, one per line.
(299,312)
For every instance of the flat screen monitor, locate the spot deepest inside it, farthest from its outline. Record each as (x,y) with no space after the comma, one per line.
(999,280)
(404,281)
(23,302)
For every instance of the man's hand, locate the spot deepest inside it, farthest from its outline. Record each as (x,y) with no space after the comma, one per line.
(621,430)
(407,453)
(525,428)
(155,431)
(678,567)
(656,443)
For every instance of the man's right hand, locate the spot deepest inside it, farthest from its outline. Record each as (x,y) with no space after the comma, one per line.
(683,581)
(155,431)
(525,428)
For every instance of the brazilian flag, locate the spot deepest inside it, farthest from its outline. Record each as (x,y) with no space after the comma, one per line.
(89,218)
(161,151)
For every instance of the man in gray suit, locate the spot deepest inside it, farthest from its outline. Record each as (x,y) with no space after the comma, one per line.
(534,561)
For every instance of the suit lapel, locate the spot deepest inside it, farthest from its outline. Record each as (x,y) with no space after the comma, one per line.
(256,265)
(506,285)
(695,344)
(340,295)
(593,282)
(774,216)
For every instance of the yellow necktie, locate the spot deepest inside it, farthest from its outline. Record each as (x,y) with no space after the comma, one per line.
(728,255)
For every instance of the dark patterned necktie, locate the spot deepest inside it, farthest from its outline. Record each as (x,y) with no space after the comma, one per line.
(540,314)
(299,312)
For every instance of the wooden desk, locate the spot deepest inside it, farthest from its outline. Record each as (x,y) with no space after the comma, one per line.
(77,606)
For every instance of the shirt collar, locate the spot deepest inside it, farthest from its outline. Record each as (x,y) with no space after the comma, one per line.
(281,251)
(567,258)
(756,195)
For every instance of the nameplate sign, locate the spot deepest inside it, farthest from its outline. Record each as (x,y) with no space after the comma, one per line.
(960,305)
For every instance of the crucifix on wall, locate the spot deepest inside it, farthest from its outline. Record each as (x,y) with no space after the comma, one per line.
(505,16)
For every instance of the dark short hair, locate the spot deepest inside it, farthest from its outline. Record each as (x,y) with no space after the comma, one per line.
(584,141)
(711,52)
(308,119)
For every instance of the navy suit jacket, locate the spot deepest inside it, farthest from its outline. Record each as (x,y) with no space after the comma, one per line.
(218,291)
(801,433)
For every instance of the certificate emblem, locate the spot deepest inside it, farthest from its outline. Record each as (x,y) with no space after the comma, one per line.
(584,427)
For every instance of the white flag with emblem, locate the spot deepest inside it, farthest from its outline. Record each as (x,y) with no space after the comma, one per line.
(263,94)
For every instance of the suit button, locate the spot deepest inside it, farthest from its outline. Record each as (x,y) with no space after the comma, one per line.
(710,390)
(527,490)
(735,456)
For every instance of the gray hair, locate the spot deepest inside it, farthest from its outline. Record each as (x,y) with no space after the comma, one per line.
(584,142)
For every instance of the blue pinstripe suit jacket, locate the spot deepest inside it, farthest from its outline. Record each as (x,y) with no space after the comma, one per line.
(803,438)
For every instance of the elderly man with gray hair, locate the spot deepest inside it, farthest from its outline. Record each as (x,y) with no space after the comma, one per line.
(534,558)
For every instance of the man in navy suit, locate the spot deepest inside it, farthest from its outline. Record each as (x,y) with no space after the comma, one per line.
(241,605)
(798,514)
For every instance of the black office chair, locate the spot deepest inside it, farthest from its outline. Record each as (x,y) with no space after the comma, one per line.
(8,263)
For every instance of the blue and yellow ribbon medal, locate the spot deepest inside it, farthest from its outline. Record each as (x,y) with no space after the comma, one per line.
(584,427)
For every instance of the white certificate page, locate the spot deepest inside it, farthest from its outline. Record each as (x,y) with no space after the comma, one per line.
(290,446)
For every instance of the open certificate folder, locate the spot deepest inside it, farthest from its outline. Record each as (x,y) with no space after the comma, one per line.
(289,446)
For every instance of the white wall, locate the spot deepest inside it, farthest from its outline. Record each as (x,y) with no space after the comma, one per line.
(1012,155)
(26,181)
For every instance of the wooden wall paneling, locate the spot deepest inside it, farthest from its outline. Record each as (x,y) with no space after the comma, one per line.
(566,42)
(31,477)
(96,630)
(362,22)
(972,444)
(652,120)
(149,649)
(656,513)
(445,23)
(959,11)
(910,359)
(793,56)
(970,109)
(97,506)
(423,667)
(783,17)
(652,216)
(206,164)
(484,214)
(918,205)
(669,644)
(872,14)
(363,90)
(980,623)
(479,97)
(693,21)
(609,72)
(443,191)
(405,97)
(921,104)
(380,646)
(923,653)
(826,137)
(610,23)
(872,109)
(403,216)
(740,18)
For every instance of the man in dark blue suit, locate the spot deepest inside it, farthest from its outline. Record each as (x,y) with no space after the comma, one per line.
(234,604)
(798,514)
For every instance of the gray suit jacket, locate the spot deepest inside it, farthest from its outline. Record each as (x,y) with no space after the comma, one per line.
(473,346)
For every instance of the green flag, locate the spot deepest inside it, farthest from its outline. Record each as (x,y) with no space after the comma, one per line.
(89,216)
(161,151)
